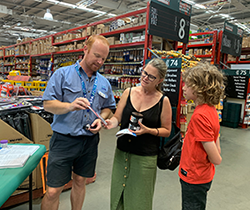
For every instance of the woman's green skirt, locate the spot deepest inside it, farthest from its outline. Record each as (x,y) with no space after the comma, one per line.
(133,181)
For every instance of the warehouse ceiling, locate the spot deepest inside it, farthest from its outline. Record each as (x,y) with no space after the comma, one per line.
(25,18)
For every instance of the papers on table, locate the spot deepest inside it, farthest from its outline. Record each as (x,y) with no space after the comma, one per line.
(15,156)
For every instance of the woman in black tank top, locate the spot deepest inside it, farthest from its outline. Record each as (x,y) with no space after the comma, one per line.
(135,161)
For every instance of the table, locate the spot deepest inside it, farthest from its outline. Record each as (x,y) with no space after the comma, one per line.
(12,178)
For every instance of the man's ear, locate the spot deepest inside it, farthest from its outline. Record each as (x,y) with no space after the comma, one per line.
(85,49)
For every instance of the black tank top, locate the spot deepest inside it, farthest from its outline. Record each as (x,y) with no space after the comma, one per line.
(145,144)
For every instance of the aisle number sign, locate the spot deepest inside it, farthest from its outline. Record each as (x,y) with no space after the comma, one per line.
(231,39)
(170,19)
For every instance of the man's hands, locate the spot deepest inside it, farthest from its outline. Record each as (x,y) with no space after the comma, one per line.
(79,104)
(96,126)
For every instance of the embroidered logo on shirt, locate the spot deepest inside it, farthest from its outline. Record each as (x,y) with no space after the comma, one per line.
(104,88)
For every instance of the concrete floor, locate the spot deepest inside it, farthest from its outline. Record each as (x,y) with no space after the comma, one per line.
(230,189)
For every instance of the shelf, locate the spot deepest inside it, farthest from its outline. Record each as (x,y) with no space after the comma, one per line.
(122,63)
(68,41)
(239,62)
(69,51)
(27,42)
(135,28)
(122,75)
(9,65)
(127,44)
(22,69)
(197,45)
(245,49)
(4,73)
(44,54)
(203,56)
(7,56)
(24,55)
(21,63)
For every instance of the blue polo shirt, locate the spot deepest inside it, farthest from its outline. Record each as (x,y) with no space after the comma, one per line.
(65,86)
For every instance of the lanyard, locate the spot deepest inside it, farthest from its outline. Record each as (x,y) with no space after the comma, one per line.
(84,88)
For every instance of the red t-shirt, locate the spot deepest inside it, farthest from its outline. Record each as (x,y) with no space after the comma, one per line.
(195,168)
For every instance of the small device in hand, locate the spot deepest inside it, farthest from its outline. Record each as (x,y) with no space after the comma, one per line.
(90,127)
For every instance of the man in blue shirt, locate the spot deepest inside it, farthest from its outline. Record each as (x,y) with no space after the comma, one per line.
(73,146)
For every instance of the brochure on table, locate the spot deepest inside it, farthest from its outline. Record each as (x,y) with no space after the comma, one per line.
(15,156)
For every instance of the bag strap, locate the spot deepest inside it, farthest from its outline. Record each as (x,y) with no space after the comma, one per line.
(161,103)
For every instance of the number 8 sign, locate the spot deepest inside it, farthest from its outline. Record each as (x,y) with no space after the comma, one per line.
(168,23)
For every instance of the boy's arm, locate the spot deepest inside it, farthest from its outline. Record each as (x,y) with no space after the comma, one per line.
(212,152)
(218,144)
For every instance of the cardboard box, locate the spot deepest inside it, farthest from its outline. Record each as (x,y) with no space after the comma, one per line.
(112,40)
(99,30)
(89,31)
(183,127)
(84,32)
(11,134)
(157,39)
(25,183)
(38,177)
(41,130)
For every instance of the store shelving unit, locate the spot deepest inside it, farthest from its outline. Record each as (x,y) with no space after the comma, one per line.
(202,44)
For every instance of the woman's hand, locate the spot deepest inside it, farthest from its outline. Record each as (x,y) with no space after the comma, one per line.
(111,123)
(142,130)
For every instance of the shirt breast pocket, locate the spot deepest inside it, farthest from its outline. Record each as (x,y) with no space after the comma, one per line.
(101,98)
(71,93)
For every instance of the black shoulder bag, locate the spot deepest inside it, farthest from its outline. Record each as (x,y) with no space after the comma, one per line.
(170,153)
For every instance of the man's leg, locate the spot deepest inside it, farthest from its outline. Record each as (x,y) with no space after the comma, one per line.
(51,198)
(77,192)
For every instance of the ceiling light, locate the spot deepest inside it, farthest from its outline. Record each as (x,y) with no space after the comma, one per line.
(85,3)
(48,15)
(199,6)
(225,15)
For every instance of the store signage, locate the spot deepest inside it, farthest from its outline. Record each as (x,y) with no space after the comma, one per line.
(231,39)
(236,86)
(170,19)
(242,72)
(171,83)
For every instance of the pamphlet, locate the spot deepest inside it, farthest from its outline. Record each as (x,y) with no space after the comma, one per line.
(123,132)
(15,156)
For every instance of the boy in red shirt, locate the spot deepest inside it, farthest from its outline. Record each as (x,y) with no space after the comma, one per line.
(204,84)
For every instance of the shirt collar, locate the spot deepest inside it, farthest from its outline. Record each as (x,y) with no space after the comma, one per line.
(82,72)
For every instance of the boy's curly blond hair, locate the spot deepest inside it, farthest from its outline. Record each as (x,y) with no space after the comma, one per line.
(206,81)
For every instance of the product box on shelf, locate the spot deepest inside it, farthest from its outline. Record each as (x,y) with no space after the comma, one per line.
(89,31)
(246,42)
(190,107)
